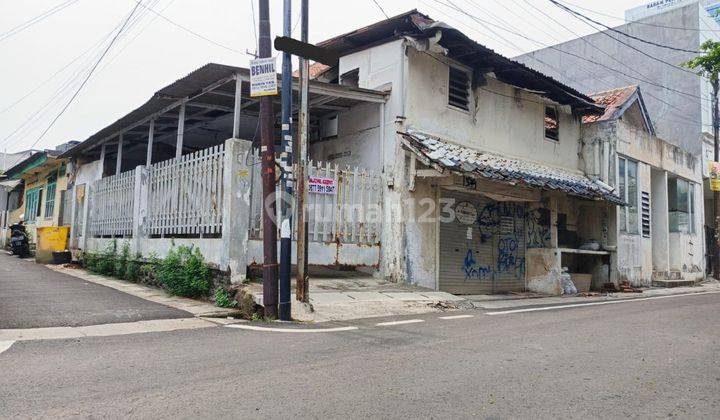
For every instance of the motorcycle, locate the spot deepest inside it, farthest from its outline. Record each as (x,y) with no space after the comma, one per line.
(19,243)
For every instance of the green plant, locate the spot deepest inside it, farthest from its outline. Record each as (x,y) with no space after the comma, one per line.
(222,298)
(121,261)
(102,263)
(184,272)
(133,268)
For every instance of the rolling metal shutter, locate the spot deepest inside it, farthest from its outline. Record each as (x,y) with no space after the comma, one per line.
(484,255)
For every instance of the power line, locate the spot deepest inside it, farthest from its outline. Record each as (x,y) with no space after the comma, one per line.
(188,30)
(637,22)
(637,38)
(28,23)
(381,9)
(577,56)
(84,82)
(652,57)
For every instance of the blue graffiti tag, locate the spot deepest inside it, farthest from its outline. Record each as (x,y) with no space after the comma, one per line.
(472,270)
(507,254)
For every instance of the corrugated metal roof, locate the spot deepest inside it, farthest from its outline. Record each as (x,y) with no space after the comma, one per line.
(463,49)
(445,156)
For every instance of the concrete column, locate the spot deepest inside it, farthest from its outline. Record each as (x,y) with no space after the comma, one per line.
(236,207)
(101,168)
(140,205)
(118,161)
(659,220)
(73,211)
(554,241)
(151,136)
(86,216)
(180,132)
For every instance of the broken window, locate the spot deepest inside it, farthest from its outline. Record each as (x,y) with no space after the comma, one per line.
(681,205)
(552,123)
(459,89)
(628,190)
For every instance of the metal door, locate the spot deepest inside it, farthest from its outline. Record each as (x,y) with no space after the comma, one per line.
(482,250)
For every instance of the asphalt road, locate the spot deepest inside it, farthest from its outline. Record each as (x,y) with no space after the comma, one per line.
(646,359)
(33,296)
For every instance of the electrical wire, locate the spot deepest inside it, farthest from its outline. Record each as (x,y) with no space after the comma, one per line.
(582,58)
(188,30)
(637,22)
(87,77)
(637,38)
(381,9)
(29,23)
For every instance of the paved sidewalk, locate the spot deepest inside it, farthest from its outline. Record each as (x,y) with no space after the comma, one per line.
(33,296)
(152,294)
(362,296)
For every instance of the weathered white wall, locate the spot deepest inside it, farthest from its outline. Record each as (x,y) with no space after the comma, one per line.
(496,122)
(638,257)
(384,67)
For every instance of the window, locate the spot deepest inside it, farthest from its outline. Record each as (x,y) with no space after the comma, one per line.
(32,204)
(459,89)
(628,190)
(50,199)
(645,214)
(681,205)
(552,123)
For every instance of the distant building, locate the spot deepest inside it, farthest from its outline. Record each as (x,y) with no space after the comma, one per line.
(678,100)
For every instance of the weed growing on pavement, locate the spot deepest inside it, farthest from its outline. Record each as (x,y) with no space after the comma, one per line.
(184,272)
(222,298)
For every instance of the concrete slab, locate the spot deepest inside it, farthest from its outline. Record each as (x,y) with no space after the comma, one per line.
(369,296)
(407,296)
(443,296)
(329,298)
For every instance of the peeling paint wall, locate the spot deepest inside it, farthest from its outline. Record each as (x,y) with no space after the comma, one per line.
(502,118)
(639,258)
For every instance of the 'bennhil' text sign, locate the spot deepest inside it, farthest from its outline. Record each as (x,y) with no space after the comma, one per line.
(321,185)
(263,78)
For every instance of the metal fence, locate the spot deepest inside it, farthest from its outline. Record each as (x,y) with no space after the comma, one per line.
(111,206)
(343,205)
(186,195)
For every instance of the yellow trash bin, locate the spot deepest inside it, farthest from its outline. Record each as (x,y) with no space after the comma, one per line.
(49,240)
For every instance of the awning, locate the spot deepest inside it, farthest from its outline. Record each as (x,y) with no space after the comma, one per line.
(447,157)
(9,184)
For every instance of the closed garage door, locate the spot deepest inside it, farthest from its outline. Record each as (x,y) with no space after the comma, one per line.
(482,250)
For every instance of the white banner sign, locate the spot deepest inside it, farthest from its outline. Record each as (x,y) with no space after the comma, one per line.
(263,78)
(321,185)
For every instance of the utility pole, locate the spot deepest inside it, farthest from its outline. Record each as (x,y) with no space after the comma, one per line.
(286,172)
(716,194)
(267,153)
(302,292)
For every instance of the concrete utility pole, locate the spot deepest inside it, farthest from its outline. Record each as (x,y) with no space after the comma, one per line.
(716,194)
(301,283)
(286,172)
(267,153)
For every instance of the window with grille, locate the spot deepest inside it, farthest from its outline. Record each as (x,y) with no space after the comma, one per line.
(645,213)
(50,200)
(628,190)
(459,89)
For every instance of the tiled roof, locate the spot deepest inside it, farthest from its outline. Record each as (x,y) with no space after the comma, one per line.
(316,69)
(446,156)
(613,100)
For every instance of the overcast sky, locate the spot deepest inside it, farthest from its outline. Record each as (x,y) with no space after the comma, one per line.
(153,52)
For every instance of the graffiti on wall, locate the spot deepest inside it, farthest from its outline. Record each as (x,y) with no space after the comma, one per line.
(538,227)
(474,271)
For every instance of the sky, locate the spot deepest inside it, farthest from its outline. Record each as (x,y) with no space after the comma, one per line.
(164,40)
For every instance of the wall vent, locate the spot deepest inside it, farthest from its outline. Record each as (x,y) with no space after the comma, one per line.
(645,214)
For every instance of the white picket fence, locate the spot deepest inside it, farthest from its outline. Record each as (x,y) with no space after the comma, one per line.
(186,195)
(185,199)
(352,214)
(111,206)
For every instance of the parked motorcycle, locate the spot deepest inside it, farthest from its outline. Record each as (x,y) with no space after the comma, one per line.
(19,243)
